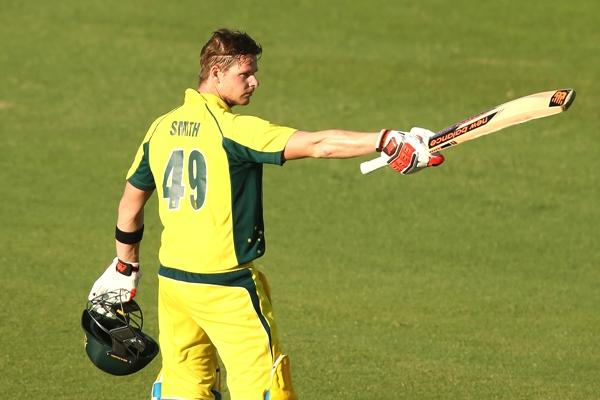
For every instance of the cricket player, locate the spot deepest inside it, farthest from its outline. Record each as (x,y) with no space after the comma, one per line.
(205,164)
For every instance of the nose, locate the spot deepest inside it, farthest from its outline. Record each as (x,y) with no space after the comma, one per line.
(252,81)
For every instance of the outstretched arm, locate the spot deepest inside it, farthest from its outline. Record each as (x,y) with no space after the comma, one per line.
(332,143)
(404,152)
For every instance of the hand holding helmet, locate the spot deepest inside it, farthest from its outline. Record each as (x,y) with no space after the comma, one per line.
(114,340)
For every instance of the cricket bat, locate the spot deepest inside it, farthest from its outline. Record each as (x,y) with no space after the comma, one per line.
(514,112)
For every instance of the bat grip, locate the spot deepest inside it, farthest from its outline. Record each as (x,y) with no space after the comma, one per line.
(371,165)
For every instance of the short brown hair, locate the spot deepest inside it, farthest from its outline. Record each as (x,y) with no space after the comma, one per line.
(224,48)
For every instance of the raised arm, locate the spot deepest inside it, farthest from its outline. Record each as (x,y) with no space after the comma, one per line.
(332,143)
(404,152)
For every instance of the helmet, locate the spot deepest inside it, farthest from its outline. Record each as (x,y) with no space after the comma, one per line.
(114,340)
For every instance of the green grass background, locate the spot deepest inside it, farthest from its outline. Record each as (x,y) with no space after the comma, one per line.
(477,280)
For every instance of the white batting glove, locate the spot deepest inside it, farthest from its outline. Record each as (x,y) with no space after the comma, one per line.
(407,152)
(119,276)
(423,135)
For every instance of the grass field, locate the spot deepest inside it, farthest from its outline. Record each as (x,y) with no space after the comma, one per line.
(477,280)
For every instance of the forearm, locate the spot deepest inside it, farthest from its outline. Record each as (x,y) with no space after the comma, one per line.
(331,143)
(127,223)
(336,143)
(130,218)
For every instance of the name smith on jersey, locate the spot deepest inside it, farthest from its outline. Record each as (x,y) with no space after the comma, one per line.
(185,128)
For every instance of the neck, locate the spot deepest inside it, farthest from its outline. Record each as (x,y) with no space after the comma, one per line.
(205,87)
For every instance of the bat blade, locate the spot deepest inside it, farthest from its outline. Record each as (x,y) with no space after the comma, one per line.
(514,112)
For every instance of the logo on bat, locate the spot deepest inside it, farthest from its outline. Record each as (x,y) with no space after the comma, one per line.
(461,130)
(558,98)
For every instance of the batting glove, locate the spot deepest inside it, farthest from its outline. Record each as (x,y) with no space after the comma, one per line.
(407,153)
(423,135)
(120,276)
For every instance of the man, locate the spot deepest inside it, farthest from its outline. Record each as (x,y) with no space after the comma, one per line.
(205,164)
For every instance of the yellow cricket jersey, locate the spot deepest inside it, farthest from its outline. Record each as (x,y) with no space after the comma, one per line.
(206,166)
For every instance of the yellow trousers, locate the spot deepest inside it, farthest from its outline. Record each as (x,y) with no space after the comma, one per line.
(229,314)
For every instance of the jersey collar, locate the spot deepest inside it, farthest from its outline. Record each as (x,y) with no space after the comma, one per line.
(195,96)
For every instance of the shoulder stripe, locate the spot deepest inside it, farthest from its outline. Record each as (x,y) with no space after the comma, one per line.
(215,118)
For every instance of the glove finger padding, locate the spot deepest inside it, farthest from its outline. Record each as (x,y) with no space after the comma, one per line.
(407,153)
(436,159)
(407,159)
(423,134)
(394,150)
(420,137)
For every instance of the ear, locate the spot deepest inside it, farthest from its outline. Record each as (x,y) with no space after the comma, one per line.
(215,73)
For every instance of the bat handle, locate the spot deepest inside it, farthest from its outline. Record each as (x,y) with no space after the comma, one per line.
(371,165)
(379,162)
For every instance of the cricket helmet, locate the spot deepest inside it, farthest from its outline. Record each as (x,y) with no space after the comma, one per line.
(114,340)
